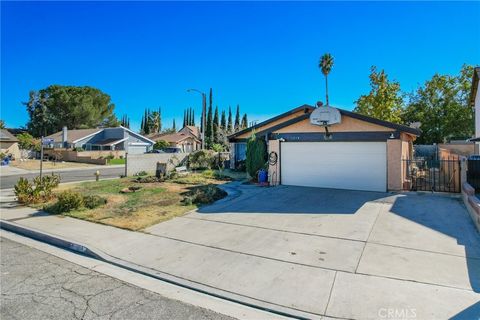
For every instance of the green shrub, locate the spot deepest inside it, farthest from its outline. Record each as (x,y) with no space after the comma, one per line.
(256,156)
(204,195)
(93,201)
(141,173)
(40,191)
(24,191)
(78,149)
(110,157)
(161,144)
(67,201)
(202,159)
(217,147)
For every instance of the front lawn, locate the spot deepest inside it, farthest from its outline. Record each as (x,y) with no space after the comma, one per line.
(152,203)
(116,161)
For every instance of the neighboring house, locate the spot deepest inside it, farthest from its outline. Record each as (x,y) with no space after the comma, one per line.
(9,144)
(475,103)
(188,139)
(359,153)
(118,138)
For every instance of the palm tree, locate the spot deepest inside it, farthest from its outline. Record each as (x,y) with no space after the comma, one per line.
(325,64)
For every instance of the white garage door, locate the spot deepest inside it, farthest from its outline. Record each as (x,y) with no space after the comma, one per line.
(137,149)
(341,165)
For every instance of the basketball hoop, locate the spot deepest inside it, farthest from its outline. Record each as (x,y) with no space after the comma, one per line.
(325,117)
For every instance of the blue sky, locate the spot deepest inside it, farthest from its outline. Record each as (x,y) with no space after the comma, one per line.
(261,55)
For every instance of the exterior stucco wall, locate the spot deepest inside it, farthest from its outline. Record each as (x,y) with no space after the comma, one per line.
(394,165)
(10,148)
(274,123)
(348,125)
(148,162)
(274,170)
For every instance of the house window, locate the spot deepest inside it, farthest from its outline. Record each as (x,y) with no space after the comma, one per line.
(240,151)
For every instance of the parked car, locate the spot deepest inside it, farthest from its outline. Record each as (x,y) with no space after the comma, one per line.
(172,150)
(156,151)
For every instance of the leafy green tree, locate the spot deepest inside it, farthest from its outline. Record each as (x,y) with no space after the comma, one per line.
(384,101)
(2,124)
(154,122)
(26,141)
(326,64)
(256,155)
(229,126)
(56,106)
(161,144)
(237,119)
(441,107)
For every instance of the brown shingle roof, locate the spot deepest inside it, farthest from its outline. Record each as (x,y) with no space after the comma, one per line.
(6,136)
(73,135)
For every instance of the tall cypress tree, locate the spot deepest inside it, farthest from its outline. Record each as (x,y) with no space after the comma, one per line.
(209,125)
(216,124)
(244,124)
(193,117)
(223,121)
(142,125)
(184,118)
(237,119)
(229,126)
(173,126)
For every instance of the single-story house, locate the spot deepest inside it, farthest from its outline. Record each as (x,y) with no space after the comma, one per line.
(475,103)
(188,138)
(9,144)
(117,138)
(357,152)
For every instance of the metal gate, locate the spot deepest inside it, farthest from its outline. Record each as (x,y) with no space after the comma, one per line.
(432,175)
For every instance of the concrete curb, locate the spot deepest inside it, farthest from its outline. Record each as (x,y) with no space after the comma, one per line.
(168,278)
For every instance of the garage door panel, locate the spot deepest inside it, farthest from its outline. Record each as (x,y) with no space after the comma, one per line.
(342,165)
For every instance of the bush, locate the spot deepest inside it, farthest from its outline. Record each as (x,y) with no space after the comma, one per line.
(78,149)
(24,191)
(93,201)
(204,195)
(202,159)
(141,173)
(67,201)
(217,147)
(40,191)
(161,144)
(256,156)
(110,156)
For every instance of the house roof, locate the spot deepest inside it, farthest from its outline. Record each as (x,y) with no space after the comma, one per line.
(73,135)
(475,80)
(109,142)
(6,136)
(308,109)
(193,130)
(78,134)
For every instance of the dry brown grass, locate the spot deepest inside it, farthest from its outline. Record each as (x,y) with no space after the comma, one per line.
(153,203)
(35,165)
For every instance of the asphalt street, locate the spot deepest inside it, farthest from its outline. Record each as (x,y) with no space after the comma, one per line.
(7,182)
(37,285)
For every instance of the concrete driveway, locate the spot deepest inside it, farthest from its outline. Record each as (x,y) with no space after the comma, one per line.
(335,253)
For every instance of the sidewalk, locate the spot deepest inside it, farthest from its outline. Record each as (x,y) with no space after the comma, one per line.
(6,171)
(288,288)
